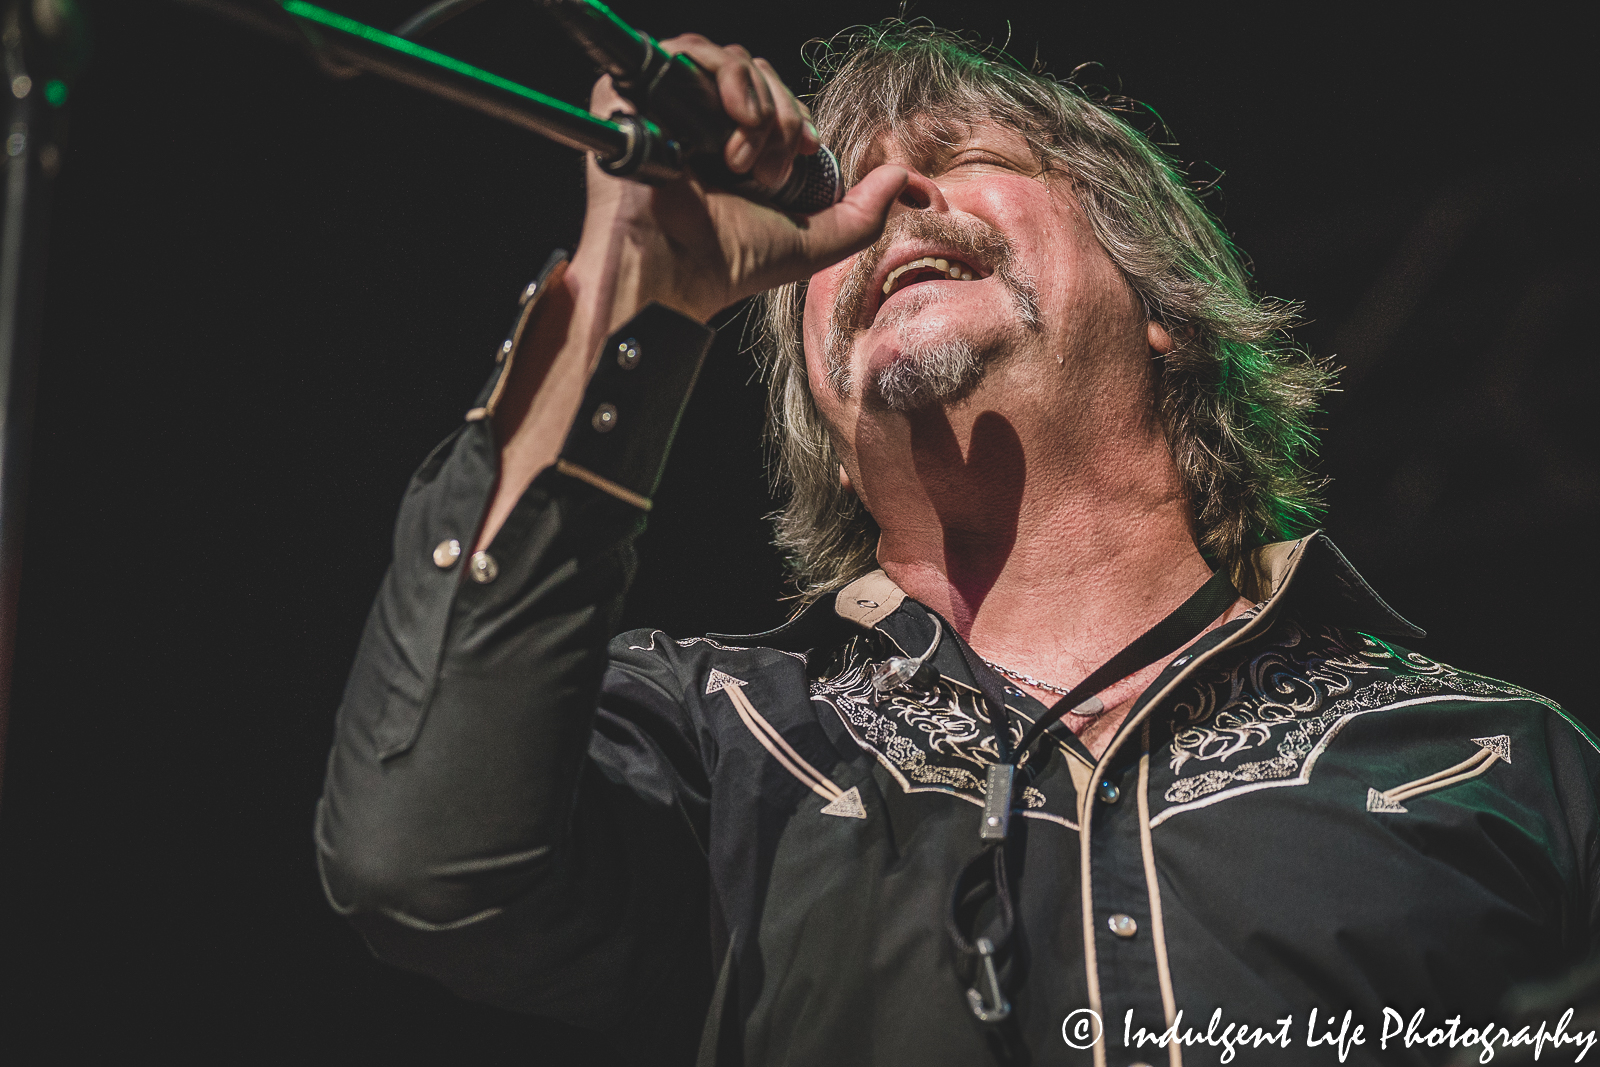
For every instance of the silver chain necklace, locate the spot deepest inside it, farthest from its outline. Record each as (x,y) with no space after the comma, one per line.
(1088,709)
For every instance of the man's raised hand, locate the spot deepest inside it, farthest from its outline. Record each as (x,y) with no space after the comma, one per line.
(699,249)
(690,247)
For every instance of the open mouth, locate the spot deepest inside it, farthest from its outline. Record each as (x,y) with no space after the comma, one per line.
(926,269)
(940,256)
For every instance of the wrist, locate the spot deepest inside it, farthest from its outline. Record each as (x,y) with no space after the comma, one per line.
(624,263)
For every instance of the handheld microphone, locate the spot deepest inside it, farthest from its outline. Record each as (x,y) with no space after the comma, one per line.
(677,93)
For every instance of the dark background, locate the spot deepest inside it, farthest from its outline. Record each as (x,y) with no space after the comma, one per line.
(270,293)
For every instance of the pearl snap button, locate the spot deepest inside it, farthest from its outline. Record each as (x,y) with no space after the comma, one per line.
(605,418)
(484,568)
(1122,925)
(1108,793)
(446,552)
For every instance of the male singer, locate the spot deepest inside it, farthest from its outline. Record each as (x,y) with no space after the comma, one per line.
(1079,752)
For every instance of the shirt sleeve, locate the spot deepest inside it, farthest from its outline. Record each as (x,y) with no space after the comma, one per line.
(504,808)
(1574,760)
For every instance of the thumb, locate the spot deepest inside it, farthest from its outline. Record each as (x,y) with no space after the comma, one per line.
(854,222)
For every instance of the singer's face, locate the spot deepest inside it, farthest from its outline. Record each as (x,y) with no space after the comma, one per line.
(999,298)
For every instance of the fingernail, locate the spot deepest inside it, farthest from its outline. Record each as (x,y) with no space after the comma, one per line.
(743,153)
(811,128)
(754,101)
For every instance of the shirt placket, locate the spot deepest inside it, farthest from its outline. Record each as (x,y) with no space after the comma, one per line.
(1122,917)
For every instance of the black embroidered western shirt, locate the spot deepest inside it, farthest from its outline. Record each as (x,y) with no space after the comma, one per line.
(1298,814)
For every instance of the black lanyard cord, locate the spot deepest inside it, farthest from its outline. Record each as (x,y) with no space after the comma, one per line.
(1186,622)
(985,874)
(1182,625)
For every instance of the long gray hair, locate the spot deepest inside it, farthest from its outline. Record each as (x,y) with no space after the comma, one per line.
(1234,395)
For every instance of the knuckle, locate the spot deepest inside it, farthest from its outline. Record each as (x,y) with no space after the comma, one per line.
(693,45)
(787,138)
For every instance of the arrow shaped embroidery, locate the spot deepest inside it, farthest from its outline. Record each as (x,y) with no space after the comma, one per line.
(1491,750)
(841,802)
(718,681)
(1499,744)
(847,805)
(1376,801)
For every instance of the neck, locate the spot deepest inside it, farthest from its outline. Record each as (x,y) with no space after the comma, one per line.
(1046,567)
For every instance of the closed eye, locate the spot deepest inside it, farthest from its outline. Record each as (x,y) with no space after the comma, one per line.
(981,158)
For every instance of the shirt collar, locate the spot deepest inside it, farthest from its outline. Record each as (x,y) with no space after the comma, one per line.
(1309,573)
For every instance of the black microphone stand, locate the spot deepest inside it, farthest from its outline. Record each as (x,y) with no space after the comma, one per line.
(630,146)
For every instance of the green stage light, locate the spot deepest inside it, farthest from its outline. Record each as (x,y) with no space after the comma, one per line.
(312,13)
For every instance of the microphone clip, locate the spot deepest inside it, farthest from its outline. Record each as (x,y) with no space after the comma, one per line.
(648,156)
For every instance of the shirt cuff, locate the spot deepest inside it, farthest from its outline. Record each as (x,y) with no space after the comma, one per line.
(630,411)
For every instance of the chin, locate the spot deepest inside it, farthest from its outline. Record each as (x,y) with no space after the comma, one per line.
(927,373)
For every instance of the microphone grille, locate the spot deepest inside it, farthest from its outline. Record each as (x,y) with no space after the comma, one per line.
(814,185)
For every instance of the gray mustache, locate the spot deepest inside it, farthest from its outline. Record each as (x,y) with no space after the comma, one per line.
(971,238)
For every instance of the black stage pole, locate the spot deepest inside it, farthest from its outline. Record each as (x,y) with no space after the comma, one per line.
(43,44)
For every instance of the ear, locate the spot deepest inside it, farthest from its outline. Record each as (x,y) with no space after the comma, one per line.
(1160,340)
(844,481)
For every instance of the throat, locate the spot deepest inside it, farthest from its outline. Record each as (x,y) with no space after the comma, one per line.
(1049,607)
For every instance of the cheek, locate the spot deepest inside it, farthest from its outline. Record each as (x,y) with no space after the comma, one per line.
(1044,231)
(1075,275)
(1030,211)
(821,293)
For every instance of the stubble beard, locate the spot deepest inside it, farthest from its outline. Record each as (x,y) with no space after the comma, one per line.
(932,368)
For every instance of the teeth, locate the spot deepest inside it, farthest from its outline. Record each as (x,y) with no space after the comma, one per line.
(957,271)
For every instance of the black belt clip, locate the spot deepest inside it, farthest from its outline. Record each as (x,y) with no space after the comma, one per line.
(991,1005)
(997,801)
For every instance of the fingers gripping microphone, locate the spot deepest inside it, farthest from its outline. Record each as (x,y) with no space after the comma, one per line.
(683,98)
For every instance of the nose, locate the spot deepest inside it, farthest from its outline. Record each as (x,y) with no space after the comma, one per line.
(921,193)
